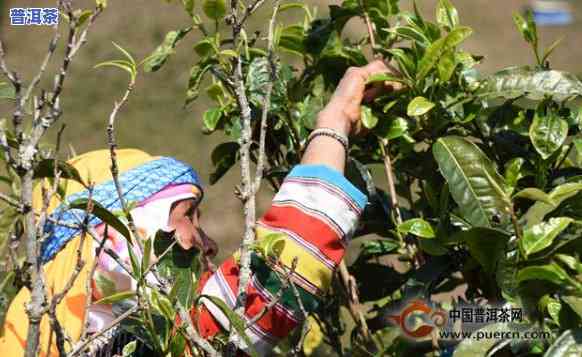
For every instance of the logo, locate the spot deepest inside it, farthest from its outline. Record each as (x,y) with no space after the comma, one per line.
(38,16)
(418,320)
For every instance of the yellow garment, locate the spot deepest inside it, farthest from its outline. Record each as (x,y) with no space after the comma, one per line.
(308,266)
(93,167)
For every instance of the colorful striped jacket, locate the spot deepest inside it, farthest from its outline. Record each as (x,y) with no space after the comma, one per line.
(317,210)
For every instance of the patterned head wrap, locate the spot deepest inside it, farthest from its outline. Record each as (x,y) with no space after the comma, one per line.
(141,176)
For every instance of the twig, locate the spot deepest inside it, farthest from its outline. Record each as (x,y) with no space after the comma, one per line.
(82,344)
(249,188)
(17,85)
(305,329)
(113,155)
(349,283)
(267,100)
(34,83)
(370,29)
(60,334)
(390,177)
(193,337)
(285,283)
(89,284)
(11,201)
(248,12)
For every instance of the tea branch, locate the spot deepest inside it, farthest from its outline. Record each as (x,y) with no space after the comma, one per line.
(249,187)
(45,112)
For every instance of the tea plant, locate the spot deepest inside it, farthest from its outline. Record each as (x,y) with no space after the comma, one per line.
(483,171)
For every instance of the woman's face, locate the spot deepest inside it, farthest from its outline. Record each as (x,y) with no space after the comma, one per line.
(184,219)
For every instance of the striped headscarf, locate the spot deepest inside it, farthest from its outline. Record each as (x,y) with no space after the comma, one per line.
(138,183)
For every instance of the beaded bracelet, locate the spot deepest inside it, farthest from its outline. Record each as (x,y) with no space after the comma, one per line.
(332,133)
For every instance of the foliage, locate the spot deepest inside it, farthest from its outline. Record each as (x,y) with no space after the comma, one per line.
(488,165)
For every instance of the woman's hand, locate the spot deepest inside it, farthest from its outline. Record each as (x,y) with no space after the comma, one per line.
(342,113)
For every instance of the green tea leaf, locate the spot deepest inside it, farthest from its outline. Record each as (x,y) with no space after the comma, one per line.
(115,298)
(121,64)
(160,55)
(446,14)
(206,47)
(271,245)
(412,34)
(541,235)
(197,73)
(513,173)
(210,119)
(568,260)
(104,215)
(378,247)
(129,349)
(224,156)
(188,6)
(526,29)
(419,106)
(406,64)
(46,169)
(438,48)
(234,320)
(446,66)
(214,9)
(418,227)
(538,211)
(7,91)
(548,133)
(291,39)
(575,303)
(551,49)
(367,117)
(392,128)
(215,91)
(484,245)
(535,194)
(473,180)
(554,307)
(258,78)
(384,77)
(550,272)
(536,85)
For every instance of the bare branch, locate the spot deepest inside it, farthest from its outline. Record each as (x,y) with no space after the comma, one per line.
(384,148)
(305,328)
(113,155)
(267,100)
(11,201)
(89,285)
(60,333)
(17,85)
(248,186)
(51,50)
(349,283)
(251,8)
(83,344)
(285,283)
